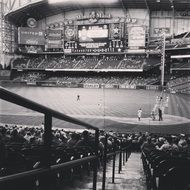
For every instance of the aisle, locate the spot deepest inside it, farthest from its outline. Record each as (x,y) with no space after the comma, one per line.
(131,176)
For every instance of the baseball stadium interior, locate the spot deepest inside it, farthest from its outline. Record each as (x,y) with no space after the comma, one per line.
(95,94)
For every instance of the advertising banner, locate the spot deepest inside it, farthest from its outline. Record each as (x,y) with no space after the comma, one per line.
(31,36)
(70,33)
(116,30)
(136,37)
(91,85)
(159,31)
(54,39)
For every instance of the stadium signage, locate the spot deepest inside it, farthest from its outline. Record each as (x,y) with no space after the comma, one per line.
(93,17)
(161,30)
(136,37)
(32,23)
(30,36)
(183,13)
(180,41)
(130,20)
(91,85)
(93,45)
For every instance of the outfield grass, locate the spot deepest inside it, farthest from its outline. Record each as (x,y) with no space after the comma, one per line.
(93,102)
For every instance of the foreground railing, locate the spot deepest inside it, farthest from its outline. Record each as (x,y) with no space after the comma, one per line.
(123,151)
(48,114)
(45,173)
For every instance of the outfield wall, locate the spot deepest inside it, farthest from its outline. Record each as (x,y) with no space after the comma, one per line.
(79,85)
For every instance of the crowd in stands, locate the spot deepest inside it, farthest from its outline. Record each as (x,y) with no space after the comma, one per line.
(176,81)
(140,81)
(180,65)
(111,62)
(18,140)
(133,62)
(179,84)
(33,135)
(34,62)
(20,63)
(87,62)
(81,62)
(166,162)
(22,145)
(30,77)
(30,49)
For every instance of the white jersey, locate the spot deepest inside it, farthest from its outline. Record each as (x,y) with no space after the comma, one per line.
(139,113)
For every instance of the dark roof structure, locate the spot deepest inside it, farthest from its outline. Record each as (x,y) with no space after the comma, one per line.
(43,9)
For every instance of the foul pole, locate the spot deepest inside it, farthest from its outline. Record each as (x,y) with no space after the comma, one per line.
(163,40)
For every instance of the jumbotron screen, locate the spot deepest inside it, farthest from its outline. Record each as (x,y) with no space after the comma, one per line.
(93,33)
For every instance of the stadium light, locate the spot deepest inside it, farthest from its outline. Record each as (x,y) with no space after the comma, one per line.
(84,2)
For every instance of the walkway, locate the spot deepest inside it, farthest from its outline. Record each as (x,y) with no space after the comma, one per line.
(130,178)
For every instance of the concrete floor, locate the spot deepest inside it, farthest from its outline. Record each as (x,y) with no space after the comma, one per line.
(130,178)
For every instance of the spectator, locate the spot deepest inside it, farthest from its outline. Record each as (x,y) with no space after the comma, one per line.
(73,140)
(86,140)
(16,137)
(148,145)
(182,143)
(167,146)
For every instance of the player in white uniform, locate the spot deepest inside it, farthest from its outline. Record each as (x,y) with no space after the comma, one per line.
(139,114)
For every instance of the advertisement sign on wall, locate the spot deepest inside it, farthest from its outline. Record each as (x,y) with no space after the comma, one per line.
(136,37)
(54,39)
(30,36)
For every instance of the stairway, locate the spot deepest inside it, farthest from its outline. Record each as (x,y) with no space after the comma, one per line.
(130,178)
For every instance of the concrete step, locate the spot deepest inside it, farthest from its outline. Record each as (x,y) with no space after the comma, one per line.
(130,178)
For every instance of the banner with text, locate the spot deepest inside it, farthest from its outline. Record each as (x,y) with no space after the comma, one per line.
(31,36)
(54,39)
(136,38)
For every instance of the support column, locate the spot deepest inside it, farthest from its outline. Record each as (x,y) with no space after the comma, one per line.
(47,139)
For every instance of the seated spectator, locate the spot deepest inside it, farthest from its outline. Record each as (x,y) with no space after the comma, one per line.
(16,137)
(28,136)
(86,140)
(148,145)
(182,143)
(167,146)
(4,136)
(73,140)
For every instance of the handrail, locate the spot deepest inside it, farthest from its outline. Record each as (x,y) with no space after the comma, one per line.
(19,100)
(48,114)
(43,171)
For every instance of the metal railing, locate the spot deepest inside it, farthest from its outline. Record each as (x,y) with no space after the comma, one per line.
(48,169)
(124,153)
(48,114)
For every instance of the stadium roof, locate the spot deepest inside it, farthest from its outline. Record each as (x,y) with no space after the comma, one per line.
(42,9)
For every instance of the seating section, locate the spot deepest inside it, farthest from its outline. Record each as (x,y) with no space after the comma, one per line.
(87,63)
(20,63)
(22,147)
(80,62)
(142,81)
(166,159)
(133,62)
(30,77)
(179,84)
(180,65)
(111,62)
(34,62)
(62,80)
(166,163)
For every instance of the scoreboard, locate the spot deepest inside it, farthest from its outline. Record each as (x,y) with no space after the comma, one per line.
(85,38)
